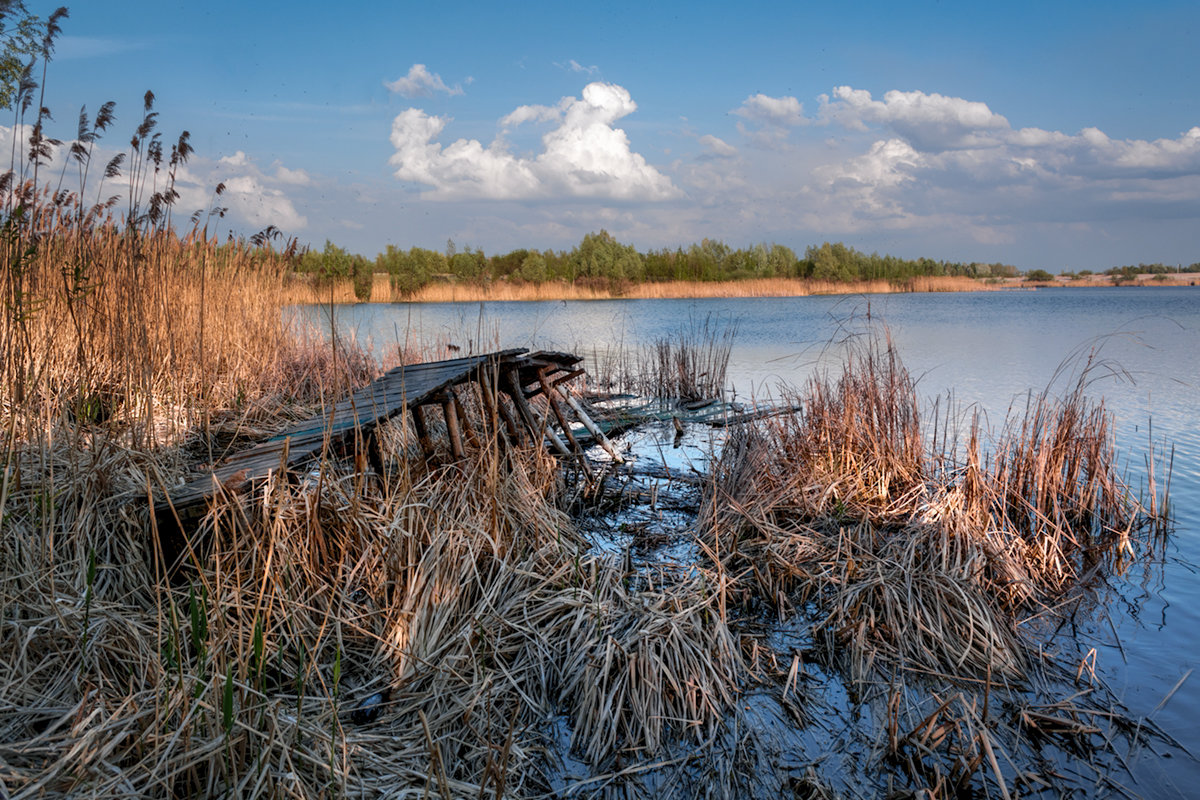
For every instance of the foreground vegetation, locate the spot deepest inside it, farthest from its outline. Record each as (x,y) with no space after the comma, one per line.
(434,629)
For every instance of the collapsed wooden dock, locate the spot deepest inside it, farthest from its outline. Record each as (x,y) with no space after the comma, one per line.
(506,382)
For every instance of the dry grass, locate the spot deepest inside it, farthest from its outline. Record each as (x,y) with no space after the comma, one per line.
(417,633)
(341,634)
(457,606)
(153,330)
(841,510)
(300,290)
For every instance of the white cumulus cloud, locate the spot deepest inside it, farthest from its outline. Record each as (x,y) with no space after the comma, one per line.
(534,113)
(930,122)
(420,82)
(716,147)
(584,155)
(783,112)
(295,177)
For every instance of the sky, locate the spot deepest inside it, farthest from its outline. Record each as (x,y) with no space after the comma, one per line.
(1058,135)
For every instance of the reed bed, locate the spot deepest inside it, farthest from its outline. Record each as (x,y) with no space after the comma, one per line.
(905,562)
(687,365)
(927,571)
(301,289)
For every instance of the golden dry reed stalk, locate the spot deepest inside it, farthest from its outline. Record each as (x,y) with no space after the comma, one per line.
(336,634)
(907,566)
(301,289)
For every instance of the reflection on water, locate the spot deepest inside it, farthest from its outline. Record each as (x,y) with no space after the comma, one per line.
(990,350)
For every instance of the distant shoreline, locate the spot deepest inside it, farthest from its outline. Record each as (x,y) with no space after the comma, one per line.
(301,292)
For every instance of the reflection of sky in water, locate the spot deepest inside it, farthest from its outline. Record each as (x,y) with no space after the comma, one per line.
(989,349)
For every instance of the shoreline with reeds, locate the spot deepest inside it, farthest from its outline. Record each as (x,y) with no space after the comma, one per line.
(304,290)
(443,625)
(448,627)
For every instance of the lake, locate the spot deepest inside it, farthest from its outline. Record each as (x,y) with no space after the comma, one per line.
(990,349)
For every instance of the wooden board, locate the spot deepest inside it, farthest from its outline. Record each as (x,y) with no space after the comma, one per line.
(398,389)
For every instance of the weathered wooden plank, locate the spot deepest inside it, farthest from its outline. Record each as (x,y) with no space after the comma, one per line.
(398,389)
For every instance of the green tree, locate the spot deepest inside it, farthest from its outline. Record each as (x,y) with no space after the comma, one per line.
(781,262)
(409,271)
(833,262)
(533,268)
(21,35)
(364,277)
(330,264)
(508,264)
(601,257)
(469,265)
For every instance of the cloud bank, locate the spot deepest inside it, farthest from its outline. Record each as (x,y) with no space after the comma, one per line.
(583,156)
(784,112)
(943,167)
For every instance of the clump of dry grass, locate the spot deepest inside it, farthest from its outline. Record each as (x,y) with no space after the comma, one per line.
(840,509)
(690,364)
(686,365)
(634,666)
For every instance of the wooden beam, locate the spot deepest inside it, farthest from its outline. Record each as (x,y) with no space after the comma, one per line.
(495,404)
(422,429)
(551,399)
(463,421)
(451,416)
(537,427)
(594,429)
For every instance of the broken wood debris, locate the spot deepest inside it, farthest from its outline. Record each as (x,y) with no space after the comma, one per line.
(414,388)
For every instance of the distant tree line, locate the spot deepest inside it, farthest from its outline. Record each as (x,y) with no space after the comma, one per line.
(1123,274)
(601,262)
(1131,271)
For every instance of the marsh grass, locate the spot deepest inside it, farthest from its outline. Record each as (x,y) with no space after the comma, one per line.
(685,365)
(916,562)
(915,557)
(416,633)
(301,289)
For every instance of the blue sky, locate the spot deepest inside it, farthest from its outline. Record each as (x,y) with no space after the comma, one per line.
(1059,135)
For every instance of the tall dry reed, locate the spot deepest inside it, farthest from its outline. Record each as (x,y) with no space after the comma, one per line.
(302,290)
(840,509)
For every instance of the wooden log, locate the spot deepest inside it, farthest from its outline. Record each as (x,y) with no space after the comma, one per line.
(464,421)
(496,404)
(639,469)
(451,416)
(555,380)
(594,429)
(537,428)
(552,401)
(418,415)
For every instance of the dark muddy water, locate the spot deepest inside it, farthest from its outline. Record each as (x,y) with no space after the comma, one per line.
(987,350)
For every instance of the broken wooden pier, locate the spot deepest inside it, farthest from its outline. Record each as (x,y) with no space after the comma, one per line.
(507,381)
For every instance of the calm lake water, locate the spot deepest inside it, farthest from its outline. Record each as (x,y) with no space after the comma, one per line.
(990,349)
